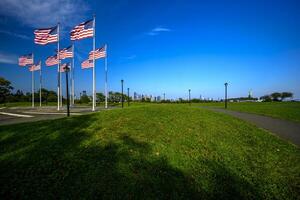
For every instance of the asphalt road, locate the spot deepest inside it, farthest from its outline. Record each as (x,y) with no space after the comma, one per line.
(285,129)
(13,115)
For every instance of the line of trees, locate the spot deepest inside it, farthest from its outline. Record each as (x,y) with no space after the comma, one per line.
(113,97)
(277,96)
(6,94)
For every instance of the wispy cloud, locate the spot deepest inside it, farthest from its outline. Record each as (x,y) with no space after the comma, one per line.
(22,36)
(8,58)
(41,13)
(158,30)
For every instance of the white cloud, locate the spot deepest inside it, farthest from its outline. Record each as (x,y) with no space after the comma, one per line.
(157,30)
(22,36)
(43,13)
(8,58)
(161,29)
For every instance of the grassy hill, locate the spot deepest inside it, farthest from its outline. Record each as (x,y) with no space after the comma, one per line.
(152,152)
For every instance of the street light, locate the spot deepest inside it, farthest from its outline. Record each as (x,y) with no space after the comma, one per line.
(190,96)
(67,69)
(226,84)
(128,96)
(122,97)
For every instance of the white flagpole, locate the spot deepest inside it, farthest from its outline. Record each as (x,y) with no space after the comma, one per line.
(70,81)
(94,86)
(60,86)
(106,76)
(32,87)
(40,84)
(58,69)
(73,68)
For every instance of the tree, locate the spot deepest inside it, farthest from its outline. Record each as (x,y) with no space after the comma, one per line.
(285,95)
(266,98)
(52,96)
(5,89)
(84,99)
(48,96)
(100,97)
(276,96)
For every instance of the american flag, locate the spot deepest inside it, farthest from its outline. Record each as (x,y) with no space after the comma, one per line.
(44,36)
(26,60)
(83,30)
(52,60)
(35,67)
(66,53)
(99,53)
(87,64)
(64,66)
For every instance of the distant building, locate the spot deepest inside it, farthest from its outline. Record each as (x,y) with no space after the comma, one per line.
(158,98)
(250,94)
(135,96)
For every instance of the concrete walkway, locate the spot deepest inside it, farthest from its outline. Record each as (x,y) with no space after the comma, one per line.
(14,115)
(284,129)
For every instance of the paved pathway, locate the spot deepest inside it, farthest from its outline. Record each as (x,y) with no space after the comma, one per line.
(284,129)
(14,115)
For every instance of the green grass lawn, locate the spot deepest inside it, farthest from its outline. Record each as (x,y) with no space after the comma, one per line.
(146,152)
(282,110)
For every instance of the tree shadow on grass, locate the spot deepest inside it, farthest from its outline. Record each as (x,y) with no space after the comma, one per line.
(52,163)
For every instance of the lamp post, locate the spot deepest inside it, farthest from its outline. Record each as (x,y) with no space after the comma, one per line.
(67,69)
(226,84)
(189,96)
(128,96)
(122,97)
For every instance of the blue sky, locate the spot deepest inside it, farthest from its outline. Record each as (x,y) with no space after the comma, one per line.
(164,46)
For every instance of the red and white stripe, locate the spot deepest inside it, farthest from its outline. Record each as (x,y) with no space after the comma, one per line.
(81,32)
(66,53)
(24,60)
(99,53)
(44,36)
(87,64)
(52,60)
(35,67)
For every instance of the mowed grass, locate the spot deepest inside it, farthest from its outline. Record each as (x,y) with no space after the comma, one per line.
(282,110)
(147,152)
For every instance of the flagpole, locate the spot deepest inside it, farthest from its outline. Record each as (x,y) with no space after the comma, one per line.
(106,76)
(70,70)
(32,84)
(94,40)
(58,73)
(60,86)
(73,68)
(32,87)
(40,84)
